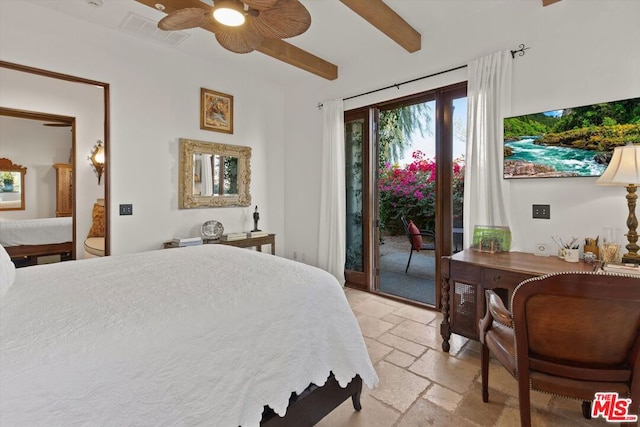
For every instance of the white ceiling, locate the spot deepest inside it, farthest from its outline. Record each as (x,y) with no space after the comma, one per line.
(336,35)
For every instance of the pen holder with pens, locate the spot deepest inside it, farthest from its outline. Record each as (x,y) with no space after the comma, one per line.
(571,255)
(568,251)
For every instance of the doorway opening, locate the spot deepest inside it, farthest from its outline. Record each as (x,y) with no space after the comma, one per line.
(405,180)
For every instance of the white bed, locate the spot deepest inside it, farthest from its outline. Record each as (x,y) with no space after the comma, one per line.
(26,240)
(204,335)
(40,231)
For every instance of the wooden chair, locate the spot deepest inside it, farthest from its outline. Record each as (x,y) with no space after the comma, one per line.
(570,334)
(420,240)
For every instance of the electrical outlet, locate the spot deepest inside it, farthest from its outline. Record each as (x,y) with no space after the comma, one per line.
(542,211)
(126,209)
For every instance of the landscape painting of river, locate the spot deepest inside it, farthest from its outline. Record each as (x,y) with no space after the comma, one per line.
(574,141)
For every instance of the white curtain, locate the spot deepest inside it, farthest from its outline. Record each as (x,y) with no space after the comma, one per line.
(207,175)
(332,239)
(488,95)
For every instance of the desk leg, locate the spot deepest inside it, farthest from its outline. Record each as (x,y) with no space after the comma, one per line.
(273,248)
(445,326)
(259,248)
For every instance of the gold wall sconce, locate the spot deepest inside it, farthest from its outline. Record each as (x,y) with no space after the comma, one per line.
(97,159)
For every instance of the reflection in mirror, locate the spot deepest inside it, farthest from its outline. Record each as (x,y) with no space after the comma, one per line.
(11,186)
(37,92)
(213,175)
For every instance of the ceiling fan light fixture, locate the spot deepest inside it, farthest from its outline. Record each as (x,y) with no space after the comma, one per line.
(229,13)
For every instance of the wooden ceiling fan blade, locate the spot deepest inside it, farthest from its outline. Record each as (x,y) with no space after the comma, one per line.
(288,18)
(183,19)
(239,40)
(275,48)
(260,4)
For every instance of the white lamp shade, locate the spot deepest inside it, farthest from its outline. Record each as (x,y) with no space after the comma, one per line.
(624,167)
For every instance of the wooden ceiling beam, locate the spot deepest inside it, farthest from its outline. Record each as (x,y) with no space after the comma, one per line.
(274,48)
(381,16)
(548,2)
(285,52)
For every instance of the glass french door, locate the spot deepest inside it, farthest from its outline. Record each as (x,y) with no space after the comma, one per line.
(376,246)
(359,259)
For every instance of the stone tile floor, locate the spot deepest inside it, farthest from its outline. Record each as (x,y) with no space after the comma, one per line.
(420,385)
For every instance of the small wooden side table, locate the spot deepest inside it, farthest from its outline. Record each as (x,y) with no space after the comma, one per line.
(249,242)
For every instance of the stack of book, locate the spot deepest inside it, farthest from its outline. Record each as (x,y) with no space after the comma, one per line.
(615,267)
(233,236)
(257,234)
(186,241)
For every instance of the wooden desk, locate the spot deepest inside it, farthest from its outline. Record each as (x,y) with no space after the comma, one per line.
(467,274)
(249,242)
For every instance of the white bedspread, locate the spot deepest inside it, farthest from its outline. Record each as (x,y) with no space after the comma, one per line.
(41,231)
(202,335)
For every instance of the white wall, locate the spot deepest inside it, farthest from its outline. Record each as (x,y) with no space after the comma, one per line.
(155,100)
(36,147)
(581,52)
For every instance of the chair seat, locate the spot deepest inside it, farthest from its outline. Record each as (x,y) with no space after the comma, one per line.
(428,246)
(94,247)
(500,340)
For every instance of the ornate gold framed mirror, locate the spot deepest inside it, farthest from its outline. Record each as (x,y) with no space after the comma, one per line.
(213,175)
(11,186)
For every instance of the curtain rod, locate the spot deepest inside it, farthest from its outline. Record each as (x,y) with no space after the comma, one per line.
(519,51)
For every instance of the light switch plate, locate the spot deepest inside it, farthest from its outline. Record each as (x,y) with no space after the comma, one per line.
(126,209)
(542,211)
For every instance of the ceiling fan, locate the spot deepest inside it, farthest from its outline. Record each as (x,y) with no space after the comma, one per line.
(239,26)
(267,22)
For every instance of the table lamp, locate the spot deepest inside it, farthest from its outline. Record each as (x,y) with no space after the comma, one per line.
(624,169)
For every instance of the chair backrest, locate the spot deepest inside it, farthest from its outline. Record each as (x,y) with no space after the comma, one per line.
(579,325)
(413,233)
(405,225)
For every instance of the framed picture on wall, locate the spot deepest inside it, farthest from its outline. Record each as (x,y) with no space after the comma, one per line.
(569,142)
(216,111)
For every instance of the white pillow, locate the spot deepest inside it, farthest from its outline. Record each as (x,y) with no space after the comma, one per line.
(7,271)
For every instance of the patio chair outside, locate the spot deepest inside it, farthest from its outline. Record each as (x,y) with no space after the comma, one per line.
(420,240)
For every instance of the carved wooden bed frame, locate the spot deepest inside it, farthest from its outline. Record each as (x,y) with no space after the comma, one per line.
(25,255)
(314,403)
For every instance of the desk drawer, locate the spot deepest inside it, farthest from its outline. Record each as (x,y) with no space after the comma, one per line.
(465,272)
(493,278)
